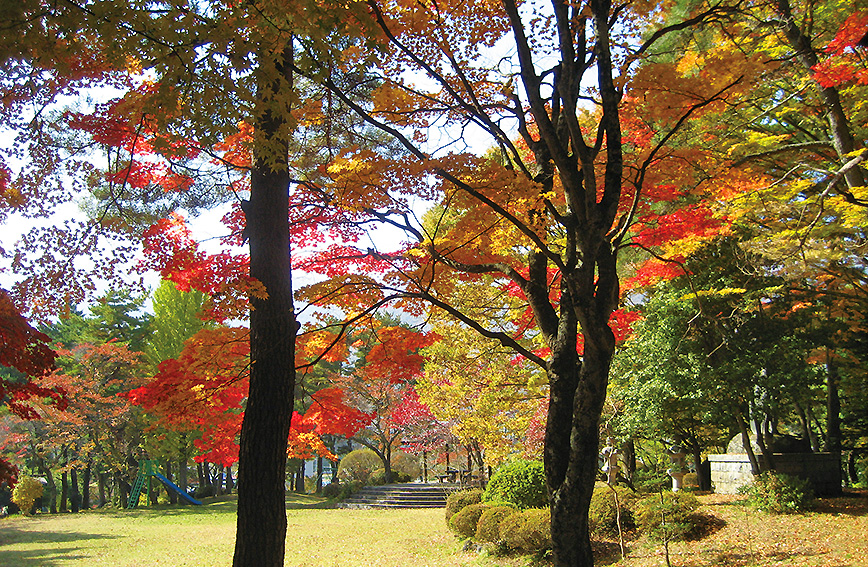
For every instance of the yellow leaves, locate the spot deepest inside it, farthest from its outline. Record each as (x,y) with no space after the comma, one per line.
(690,63)
(850,215)
(723,292)
(133,65)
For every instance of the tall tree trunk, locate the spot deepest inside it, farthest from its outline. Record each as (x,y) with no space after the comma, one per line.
(765,450)
(153,490)
(173,496)
(805,426)
(74,494)
(85,486)
(319,471)
(50,494)
(230,483)
(746,444)
(261,533)
(122,491)
(64,491)
(182,476)
(571,450)
(299,478)
(833,407)
(101,478)
(628,457)
(701,474)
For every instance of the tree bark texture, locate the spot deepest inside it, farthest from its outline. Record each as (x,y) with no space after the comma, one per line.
(833,408)
(261,533)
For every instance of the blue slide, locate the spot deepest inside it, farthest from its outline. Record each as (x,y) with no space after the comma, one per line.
(173,486)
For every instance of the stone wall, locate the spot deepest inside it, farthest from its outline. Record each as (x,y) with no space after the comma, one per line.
(730,471)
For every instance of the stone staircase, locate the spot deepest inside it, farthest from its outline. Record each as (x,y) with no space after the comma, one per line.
(405,495)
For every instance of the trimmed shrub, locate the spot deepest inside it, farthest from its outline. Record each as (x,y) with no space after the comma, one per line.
(405,467)
(25,493)
(778,493)
(521,482)
(465,521)
(456,501)
(358,466)
(488,526)
(398,476)
(378,477)
(331,490)
(529,531)
(603,513)
(671,516)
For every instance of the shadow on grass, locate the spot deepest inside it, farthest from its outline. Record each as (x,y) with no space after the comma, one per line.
(219,505)
(47,556)
(43,558)
(851,503)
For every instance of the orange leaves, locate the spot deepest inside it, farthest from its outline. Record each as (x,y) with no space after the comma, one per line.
(208,378)
(203,389)
(654,271)
(237,148)
(396,354)
(330,414)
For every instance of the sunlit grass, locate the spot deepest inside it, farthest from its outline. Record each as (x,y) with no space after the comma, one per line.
(203,536)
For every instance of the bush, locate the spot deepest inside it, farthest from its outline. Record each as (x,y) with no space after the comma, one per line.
(529,531)
(456,501)
(691,481)
(678,509)
(332,490)
(649,481)
(778,493)
(465,521)
(488,526)
(521,482)
(405,467)
(398,476)
(377,478)
(203,491)
(358,466)
(603,513)
(25,493)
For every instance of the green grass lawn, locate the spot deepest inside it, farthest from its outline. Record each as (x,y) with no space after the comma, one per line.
(203,536)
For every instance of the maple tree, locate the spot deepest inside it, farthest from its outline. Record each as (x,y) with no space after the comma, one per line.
(96,429)
(576,173)
(571,171)
(174,106)
(486,395)
(377,380)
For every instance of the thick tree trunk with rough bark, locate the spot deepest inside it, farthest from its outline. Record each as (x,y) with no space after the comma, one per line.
(261,533)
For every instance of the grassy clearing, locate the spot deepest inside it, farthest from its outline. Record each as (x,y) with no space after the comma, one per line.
(203,536)
(834,534)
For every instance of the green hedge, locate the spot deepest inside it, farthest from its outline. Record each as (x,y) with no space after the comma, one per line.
(521,482)
(528,531)
(488,526)
(456,501)
(464,521)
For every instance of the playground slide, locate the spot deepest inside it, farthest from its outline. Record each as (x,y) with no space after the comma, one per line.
(173,486)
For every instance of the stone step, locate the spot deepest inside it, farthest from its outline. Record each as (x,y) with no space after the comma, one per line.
(404,495)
